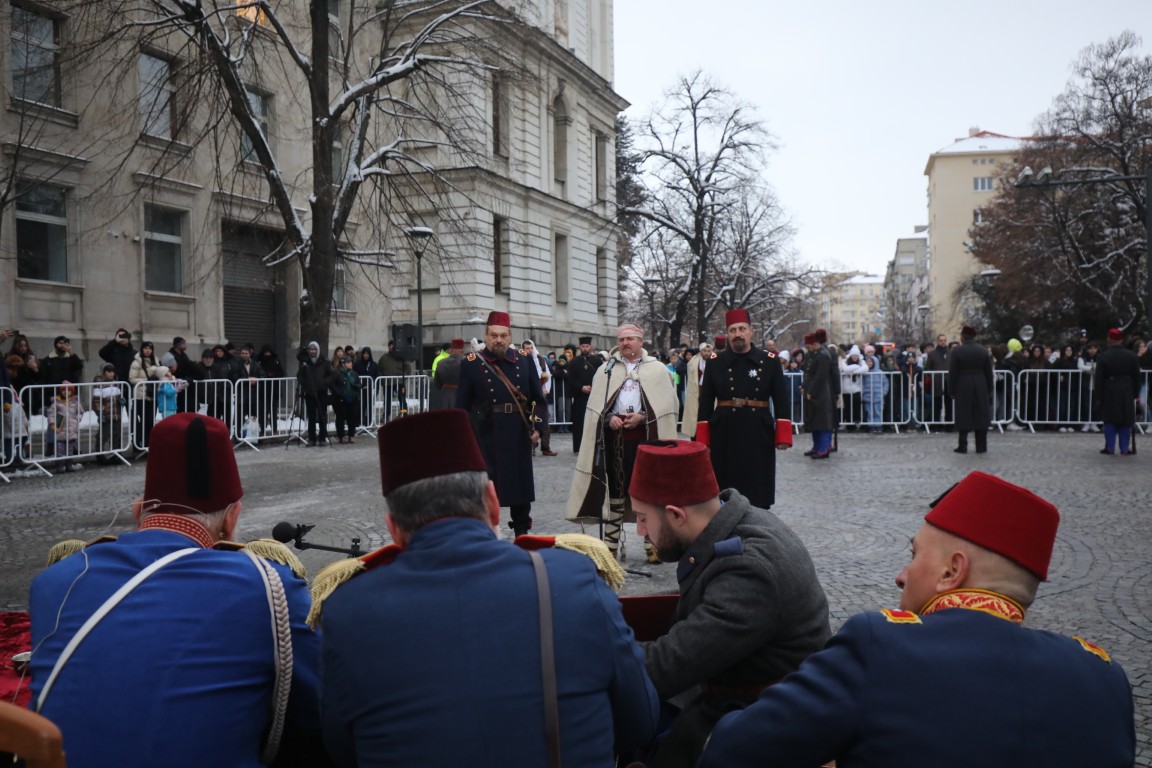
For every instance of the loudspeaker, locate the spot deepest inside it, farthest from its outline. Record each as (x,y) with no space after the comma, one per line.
(404,334)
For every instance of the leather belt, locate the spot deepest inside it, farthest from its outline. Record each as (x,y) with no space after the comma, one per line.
(505,408)
(739,402)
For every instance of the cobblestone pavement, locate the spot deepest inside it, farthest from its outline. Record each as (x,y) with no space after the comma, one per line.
(855,512)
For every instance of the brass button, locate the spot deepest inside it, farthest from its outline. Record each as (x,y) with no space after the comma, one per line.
(692,561)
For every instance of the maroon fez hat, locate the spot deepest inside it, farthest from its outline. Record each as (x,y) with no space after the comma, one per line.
(427,445)
(1001,517)
(967,331)
(810,338)
(458,344)
(191,465)
(1115,334)
(499,318)
(673,472)
(733,316)
(721,341)
(821,336)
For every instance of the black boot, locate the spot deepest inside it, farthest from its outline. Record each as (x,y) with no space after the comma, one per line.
(963,446)
(981,441)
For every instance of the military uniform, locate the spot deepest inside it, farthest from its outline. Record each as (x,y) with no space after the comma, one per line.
(964,686)
(581,373)
(446,381)
(181,672)
(820,371)
(970,384)
(751,610)
(1117,384)
(741,397)
(500,426)
(432,657)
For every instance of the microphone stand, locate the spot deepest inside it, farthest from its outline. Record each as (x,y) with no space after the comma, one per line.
(286,532)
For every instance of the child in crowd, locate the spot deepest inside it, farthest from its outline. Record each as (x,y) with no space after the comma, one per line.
(108,403)
(345,385)
(64,416)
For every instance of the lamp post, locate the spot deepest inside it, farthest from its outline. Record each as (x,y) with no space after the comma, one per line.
(923,309)
(419,236)
(651,282)
(1028,180)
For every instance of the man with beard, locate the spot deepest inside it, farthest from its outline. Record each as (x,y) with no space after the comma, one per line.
(745,413)
(500,389)
(633,400)
(970,383)
(581,374)
(751,608)
(62,364)
(695,373)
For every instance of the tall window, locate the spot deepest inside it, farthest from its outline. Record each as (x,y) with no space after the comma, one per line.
(163,249)
(499,117)
(600,158)
(340,298)
(500,272)
(35,56)
(560,264)
(157,97)
(560,122)
(261,106)
(42,234)
(335,33)
(601,280)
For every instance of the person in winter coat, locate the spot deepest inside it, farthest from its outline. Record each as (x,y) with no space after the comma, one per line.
(1088,400)
(108,403)
(62,364)
(367,369)
(873,389)
(312,378)
(120,353)
(64,416)
(1117,383)
(345,385)
(145,368)
(852,370)
(970,383)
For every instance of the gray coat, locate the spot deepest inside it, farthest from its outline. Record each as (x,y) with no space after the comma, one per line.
(970,383)
(751,609)
(1117,384)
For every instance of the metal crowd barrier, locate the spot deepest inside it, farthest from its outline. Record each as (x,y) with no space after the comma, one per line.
(1055,398)
(13,429)
(64,427)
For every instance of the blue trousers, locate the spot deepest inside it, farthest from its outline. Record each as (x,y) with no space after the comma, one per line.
(1117,433)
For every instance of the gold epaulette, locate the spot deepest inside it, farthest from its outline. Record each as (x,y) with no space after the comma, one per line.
(341,572)
(277,552)
(70,547)
(900,617)
(228,546)
(1093,649)
(596,551)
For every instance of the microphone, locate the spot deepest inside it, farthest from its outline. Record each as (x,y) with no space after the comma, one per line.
(285,532)
(608,368)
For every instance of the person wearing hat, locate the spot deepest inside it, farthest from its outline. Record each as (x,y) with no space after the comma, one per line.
(751,607)
(632,400)
(970,385)
(1117,384)
(431,646)
(312,377)
(445,350)
(544,373)
(500,389)
(62,364)
(952,677)
(820,370)
(446,377)
(582,373)
(183,669)
(745,413)
(695,373)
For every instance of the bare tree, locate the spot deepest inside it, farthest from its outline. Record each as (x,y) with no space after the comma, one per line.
(1075,255)
(713,236)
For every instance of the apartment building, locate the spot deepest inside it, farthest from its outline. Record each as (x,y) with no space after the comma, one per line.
(962,177)
(851,309)
(906,289)
(115,220)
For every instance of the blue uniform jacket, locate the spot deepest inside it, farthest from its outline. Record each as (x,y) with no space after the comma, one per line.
(500,429)
(180,673)
(963,688)
(434,659)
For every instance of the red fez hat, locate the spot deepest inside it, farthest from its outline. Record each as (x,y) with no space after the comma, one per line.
(415,448)
(1001,517)
(457,343)
(967,331)
(721,341)
(821,336)
(191,465)
(1115,334)
(810,338)
(733,316)
(675,472)
(499,318)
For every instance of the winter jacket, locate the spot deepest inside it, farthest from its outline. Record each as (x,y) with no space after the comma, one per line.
(144,370)
(57,368)
(851,374)
(64,416)
(120,355)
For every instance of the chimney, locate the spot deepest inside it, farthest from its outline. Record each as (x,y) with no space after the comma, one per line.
(973,130)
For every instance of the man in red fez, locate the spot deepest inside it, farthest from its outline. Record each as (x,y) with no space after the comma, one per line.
(446,377)
(632,400)
(500,388)
(952,677)
(1117,384)
(970,385)
(820,387)
(183,670)
(745,413)
(432,650)
(751,607)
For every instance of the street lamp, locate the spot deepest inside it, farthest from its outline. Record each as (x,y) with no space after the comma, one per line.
(1029,180)
(419,237)
(651,282)
(923,309)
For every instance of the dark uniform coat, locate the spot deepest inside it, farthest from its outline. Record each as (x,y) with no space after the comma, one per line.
(970,383)
(445,381)
(1117,384)
(744,438)
(581,373)
(954,688)
(751,610)
(500,428)
(180,673)
(819,402)
(434,659)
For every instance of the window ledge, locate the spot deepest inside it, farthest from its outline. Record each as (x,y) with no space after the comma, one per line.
(178,148)
(166,296)
(52,114)
(29,282)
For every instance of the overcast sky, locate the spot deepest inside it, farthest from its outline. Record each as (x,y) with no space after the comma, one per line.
(859,94)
